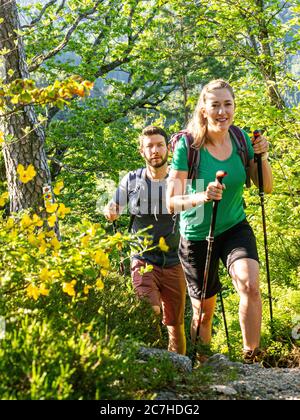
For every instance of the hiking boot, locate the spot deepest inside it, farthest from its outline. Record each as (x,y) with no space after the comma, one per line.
(252,356)
(202,358)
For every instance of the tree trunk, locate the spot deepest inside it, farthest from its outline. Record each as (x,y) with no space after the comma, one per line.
(267,67)
(185,99)
(20,148)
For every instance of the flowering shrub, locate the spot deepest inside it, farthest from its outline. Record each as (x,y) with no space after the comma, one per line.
(72,323)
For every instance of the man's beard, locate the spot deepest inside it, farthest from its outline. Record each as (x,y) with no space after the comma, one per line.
(158,164)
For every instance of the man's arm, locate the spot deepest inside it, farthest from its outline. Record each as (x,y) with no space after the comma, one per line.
(118,202)
(111,211)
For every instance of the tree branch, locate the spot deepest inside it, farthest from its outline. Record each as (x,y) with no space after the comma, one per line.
(39,59)
(39,17)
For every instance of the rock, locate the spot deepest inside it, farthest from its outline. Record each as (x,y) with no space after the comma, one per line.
(166,395)
(254,381)
(224,389)
(221,362)
(179,361)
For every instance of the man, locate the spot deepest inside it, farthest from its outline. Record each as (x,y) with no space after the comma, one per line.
(144,191)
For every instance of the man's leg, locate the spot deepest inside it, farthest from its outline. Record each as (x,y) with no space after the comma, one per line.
(173,291)
(145,285)
(177,341)
(245,276)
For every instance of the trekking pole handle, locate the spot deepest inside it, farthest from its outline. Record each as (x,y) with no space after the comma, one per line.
(256,133)
(220,175)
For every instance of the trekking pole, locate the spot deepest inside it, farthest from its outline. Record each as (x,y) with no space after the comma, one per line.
(256,134)
(122,269)
(224,320)
(210,239)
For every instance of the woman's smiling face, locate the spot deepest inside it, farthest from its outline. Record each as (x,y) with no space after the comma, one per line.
(218,110)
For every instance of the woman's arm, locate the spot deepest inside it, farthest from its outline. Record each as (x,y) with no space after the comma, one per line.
(178,200)
(261,146)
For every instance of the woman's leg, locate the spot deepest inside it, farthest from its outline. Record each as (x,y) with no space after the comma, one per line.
(245,276)
(206,321)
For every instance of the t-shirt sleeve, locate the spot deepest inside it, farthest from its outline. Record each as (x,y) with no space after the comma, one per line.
(180,160)
(249,145)
(120,196)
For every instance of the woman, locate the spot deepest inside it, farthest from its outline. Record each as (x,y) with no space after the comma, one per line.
(234,240)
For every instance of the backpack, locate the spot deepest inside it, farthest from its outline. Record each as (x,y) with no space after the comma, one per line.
(194,153)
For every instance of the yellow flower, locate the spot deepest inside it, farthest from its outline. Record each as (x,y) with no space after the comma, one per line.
(99,284)
(51,220)
(86,289)
(3,198)
(41,236)
(32,239)
(58,187)
(55,243)
(103,272)
(45,274)
(87,84)
(26,175)
(26,221)
(43,291)
(101,258)
(37,221)
(162,245)
(93,230)
(51,208)
(62,211)
(33,291)
(10,223)
(85,240)
(43,247)
(147,269)
(69,288)
(1,137)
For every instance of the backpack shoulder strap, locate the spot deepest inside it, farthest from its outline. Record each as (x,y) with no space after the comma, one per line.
(193,157)
(133,179)
(137,175)
(241,144)
(193,154)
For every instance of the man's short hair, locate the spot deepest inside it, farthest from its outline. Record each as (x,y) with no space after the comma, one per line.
(151,130)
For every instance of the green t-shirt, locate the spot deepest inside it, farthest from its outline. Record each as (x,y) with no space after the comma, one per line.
(195,222)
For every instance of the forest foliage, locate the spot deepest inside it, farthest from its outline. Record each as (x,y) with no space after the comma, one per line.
(99,71)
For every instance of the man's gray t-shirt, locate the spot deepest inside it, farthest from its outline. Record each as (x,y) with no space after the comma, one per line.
(146,199)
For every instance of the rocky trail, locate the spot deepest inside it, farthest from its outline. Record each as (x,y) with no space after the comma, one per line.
(230,380)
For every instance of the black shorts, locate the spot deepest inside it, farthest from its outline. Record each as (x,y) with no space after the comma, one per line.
(236,243)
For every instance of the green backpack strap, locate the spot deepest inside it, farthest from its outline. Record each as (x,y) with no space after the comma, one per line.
(241,144)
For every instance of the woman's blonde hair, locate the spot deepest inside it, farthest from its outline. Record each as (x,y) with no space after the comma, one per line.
(197,125)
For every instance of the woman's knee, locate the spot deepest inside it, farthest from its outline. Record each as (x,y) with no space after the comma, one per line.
(245,276)
(206,317)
